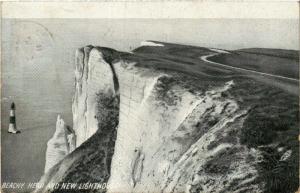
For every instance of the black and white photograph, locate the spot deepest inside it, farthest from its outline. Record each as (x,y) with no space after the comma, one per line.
(150,97)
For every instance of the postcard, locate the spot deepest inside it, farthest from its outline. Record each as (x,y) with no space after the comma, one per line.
(150,97)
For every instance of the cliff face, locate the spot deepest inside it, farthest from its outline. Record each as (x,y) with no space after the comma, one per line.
(95,115)
(168,136)
(161,120)
(92,75)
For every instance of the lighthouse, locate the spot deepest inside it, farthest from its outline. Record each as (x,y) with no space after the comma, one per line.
(12,120)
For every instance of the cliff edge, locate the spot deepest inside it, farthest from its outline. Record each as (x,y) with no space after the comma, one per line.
(160,119)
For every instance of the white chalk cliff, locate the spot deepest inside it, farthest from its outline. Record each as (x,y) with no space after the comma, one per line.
(92,76)
(160,120)
(60,145)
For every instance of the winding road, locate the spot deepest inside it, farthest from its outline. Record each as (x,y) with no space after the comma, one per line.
(206,57)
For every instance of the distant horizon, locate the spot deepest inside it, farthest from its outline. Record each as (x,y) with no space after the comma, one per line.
(126,34)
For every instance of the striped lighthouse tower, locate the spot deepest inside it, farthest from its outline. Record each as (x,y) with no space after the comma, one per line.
(12,120)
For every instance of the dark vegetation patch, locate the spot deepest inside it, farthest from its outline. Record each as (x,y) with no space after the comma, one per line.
(108,111)
(272,123)
(220,164)
(271,119)
(169,58)
(259,130)
(108,120)
(281,176)
(165,94)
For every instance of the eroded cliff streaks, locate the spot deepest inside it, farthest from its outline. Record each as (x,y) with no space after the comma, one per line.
(142,128)
(93,74)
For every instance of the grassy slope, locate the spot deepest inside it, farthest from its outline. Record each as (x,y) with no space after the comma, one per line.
(277,62)
(271,124)
(291,54)
(180,58)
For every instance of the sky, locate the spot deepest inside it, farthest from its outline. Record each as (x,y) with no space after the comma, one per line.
(125,34)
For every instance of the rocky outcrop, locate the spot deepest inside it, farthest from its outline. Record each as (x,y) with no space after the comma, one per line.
(161,120)
(60,145)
